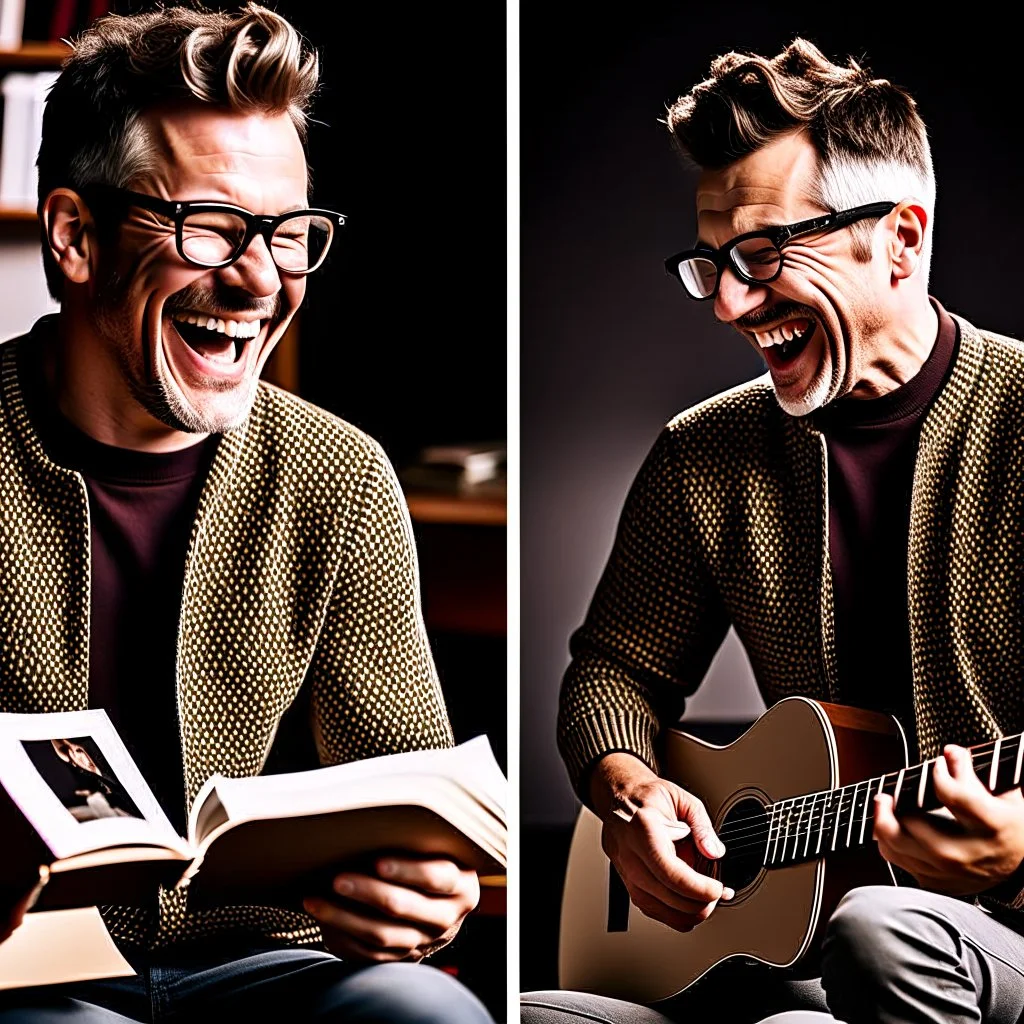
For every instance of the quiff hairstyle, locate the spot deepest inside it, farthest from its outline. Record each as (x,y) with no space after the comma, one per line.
(124,66)
(871,142)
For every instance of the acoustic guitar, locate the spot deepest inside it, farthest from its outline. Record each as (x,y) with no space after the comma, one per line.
(792,800)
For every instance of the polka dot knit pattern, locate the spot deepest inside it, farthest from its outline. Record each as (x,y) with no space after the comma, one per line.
(301,571)
(727,524)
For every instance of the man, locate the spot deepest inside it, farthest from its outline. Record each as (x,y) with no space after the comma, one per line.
(855,517)
(226,569)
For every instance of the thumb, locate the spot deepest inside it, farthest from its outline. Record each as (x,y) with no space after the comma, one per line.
(692,811)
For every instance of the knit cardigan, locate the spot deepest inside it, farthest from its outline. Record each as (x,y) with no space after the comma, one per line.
(301,575)
(727,524)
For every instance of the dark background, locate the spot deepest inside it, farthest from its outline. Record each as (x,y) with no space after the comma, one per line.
(611,348)
(403,331)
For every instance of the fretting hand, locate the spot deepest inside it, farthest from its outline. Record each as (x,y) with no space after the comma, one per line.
(981,846)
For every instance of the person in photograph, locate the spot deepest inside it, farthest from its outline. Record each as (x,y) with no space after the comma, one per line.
(228,570)
(97,794)
(855,516)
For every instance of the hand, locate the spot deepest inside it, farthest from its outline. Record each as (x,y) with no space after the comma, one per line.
(982,845)
(657,870)
(15,903)
(407,908)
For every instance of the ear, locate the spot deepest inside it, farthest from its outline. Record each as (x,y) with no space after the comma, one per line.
(66,220)
(910,219)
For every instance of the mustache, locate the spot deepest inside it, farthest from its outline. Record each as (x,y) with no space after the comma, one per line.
(772,314)
(224,300)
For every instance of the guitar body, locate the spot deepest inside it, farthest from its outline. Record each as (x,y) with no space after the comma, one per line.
(778,915)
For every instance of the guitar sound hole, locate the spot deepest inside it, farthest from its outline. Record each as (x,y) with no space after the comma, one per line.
(745,834)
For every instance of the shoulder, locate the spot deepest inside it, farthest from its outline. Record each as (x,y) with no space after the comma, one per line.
(309,446)
(719,440)
(747,406)
(995,363)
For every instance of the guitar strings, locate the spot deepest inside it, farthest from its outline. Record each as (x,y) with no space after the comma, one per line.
(761,833)
(759,826)
(910,774)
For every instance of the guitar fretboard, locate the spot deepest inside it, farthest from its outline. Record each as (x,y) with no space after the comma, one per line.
(806,827)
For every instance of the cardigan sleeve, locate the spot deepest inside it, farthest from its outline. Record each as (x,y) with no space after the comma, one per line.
(374,686)
(652,628)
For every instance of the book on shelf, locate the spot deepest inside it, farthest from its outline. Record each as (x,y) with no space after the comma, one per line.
(73,801)
(12,22)
(24,94)
(457,467)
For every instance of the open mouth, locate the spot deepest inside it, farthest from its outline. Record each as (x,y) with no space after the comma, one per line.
(783,344)
(219,341)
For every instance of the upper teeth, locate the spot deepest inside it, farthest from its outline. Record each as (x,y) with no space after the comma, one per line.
(776,336)
(232,328)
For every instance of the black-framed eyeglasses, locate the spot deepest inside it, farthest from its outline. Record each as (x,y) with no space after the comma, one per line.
(214,235)
(756,257)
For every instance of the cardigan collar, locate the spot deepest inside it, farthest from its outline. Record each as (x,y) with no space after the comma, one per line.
(21,427)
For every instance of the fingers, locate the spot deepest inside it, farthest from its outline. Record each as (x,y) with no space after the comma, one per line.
(431,915)
(377,937)
(654,846)
(650,906)
(638,877)
(437,876)
(693,812)
(348,947)
(958,788)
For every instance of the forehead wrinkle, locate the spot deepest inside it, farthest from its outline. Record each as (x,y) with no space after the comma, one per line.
(721,225)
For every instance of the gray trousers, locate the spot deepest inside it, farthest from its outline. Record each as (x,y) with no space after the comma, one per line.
(891,956)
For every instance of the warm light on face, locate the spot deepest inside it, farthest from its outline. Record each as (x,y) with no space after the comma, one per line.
(811,319)
(190,342)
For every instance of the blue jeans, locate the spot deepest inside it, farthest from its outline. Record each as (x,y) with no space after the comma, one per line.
(289,985)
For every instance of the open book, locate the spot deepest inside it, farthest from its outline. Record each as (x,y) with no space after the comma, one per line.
(73,801)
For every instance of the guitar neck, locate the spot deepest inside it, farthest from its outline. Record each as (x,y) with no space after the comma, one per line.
(810,826)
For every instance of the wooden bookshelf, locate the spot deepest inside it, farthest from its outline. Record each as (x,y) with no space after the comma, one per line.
(467,509)
(34,55)
(10,215)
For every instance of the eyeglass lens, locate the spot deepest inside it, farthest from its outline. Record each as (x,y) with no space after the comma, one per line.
(297,245)
(756,258)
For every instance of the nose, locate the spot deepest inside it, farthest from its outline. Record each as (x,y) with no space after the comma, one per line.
(736,298)
(254,270)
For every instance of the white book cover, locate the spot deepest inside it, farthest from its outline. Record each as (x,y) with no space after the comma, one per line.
(12,22)
(24,94)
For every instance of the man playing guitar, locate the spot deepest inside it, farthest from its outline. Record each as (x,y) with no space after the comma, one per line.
(855,517)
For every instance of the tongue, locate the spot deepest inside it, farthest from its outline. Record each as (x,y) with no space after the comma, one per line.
(212,345)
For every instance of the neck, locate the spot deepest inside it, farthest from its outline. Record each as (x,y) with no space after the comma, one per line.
(815,824)
(86,380)
(898,350)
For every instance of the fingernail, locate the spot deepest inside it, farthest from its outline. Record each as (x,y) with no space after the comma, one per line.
(311,906)
(344,887)
(388,868)
(717,848)
(727,893)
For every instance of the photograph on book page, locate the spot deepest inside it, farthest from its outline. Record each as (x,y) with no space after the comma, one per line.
(71,776)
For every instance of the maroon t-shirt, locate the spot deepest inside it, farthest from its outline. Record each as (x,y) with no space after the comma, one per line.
(872,449)
(142,507)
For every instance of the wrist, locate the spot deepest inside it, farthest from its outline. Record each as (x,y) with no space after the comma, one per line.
(613,782)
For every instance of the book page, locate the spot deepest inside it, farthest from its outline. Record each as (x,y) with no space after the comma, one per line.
(56,946)
(470,766)
(72,777)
